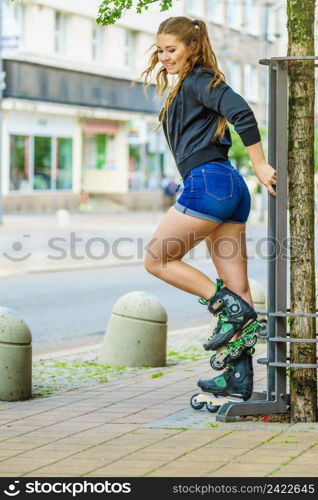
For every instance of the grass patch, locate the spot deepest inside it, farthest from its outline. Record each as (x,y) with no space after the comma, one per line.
(51,377)
(56,376)
(178,428)
(190,353)
(283,464)
(284,441)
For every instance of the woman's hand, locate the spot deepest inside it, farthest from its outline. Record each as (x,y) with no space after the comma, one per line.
(266,175)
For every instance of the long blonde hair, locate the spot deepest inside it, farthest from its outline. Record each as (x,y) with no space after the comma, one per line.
(201,54)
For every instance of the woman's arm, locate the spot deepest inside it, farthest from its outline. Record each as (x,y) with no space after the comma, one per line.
(265,173)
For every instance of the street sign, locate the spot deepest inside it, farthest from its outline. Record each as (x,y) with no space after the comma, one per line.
(136,132)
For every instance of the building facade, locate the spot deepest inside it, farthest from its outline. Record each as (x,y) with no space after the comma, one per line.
(72,122)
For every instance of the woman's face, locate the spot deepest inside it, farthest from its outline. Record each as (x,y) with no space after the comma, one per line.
(171,53)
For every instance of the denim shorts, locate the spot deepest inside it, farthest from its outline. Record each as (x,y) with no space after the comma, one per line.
(215,191)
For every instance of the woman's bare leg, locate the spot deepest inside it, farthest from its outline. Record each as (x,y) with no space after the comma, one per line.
(227,247)
(175,236)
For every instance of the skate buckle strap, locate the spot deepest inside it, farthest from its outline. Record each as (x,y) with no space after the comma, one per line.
(217,305)
(219,284)
(203,301)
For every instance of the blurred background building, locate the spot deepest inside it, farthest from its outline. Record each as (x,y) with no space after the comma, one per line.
(73,126)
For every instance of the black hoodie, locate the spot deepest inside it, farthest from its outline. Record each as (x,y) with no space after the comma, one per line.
(192,119)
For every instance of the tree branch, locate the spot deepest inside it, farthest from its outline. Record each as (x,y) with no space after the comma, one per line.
(111,10)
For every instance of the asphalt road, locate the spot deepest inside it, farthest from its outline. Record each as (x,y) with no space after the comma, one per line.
(71,308)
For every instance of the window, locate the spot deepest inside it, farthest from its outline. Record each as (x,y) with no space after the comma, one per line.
(234,75)
(129,48)
(251,17)
(19,162)
(64,163)
(18,12)
(271,28)
(215,11)
(59,32)
(251,87)
(195,8)
(97,42)
(42,163)
(99,151)
(234,14)
(48,167)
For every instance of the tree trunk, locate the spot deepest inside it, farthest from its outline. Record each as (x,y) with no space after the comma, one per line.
(303,381)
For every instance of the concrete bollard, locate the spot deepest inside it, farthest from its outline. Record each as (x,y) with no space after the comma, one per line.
(15,357)
(63,218)
(258,296)
(136,332)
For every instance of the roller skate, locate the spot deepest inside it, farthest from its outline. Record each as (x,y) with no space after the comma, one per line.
(234,314)
(234,349)
(236,381)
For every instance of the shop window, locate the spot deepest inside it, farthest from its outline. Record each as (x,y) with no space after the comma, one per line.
(144,168)
(64,163)
(42,163)
(46,165)
(99,151)
(19,162)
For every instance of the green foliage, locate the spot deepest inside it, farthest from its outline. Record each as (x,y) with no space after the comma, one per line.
(111,10)
(238,154)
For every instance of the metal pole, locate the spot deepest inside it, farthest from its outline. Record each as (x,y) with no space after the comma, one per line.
(272,236)
(1,89)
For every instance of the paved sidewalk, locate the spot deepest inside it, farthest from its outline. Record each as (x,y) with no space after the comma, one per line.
(143,426)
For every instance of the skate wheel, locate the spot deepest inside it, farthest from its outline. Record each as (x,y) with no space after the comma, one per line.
(263,332)
(211,408)
(217,365)
(195,405)
(236,354)
(250,342)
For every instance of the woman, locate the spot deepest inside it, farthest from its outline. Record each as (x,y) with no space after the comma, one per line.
(215,202)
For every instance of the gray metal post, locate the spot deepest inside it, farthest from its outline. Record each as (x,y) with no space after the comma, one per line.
(277,225)
(281,223)
(271,228)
